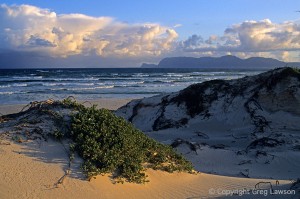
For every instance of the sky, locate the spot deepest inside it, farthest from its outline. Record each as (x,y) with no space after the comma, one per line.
(119,33)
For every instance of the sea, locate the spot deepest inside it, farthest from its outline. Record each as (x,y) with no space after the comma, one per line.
(22,86)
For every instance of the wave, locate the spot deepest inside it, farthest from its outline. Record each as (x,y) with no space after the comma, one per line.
(172,75)
(92,88)
(43,71)
(159,81)
(19,85)
(11,92)
(13,85)
(67,84)
(140,75)
(129,83)
(126,86)
(32,84)
(6,93)
(118,78)
(73,79)
(86,88)
(5,86)
(26,77)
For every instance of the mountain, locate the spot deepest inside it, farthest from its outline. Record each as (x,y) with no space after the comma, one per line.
(219,62)
(145,65)
(243,127)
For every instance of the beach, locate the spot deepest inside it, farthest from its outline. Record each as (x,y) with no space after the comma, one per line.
(35,170)
(111,104)
(149,100)
(33,173)
(231,131)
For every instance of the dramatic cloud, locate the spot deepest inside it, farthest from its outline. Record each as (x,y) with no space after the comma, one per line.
(250,38)
(42,33)
(29,28)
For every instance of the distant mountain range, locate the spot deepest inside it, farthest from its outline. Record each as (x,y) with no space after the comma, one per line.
(219,62)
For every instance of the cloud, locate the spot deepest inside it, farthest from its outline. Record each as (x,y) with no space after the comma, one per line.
(193,42)
(250,38)
(35,41)
(177,25)
(30,28)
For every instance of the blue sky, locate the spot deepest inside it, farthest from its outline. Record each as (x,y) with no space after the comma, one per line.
(196,16)
(150,30)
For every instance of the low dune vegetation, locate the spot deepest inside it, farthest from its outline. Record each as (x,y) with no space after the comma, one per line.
(107,143)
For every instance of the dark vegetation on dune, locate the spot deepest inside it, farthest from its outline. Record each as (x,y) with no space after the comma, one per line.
(194,94)
(107,143)
(255,98)
(198,98)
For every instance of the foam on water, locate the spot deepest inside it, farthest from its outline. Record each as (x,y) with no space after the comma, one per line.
(23,86)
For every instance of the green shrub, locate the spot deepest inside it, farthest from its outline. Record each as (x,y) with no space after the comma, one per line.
(58,135)
(110,144)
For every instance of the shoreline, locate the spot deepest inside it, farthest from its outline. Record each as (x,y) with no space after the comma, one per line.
(37,85)
(108,103)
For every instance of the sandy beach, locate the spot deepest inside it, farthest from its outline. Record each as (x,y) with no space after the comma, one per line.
(111,104)
(35,170)
(32,172)
(149,99)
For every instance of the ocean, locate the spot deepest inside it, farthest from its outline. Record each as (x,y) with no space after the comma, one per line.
(21,86)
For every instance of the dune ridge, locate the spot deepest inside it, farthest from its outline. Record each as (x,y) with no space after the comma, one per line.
(247,127)
(220,141)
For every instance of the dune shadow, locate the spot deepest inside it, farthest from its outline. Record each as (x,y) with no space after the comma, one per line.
(54,152)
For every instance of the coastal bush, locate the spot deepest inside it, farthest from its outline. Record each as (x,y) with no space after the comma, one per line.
(277,77)
(195,99)
(107,143)
(110,144)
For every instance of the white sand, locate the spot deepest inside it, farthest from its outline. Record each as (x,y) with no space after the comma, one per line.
(227,141)
(32,170)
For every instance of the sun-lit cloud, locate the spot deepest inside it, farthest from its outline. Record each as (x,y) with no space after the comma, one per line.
(29,28)
(250,38)
(177,25)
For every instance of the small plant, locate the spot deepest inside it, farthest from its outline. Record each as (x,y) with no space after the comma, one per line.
(70,102)
(58,134)
(296,69)
(72,147)
(17,138)
(71,152)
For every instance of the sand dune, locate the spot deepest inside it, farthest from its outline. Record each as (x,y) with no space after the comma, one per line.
(36,168)
(246,127)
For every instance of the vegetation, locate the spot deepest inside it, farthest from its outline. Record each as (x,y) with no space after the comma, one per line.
(106,142)
(110,144)
(196,100)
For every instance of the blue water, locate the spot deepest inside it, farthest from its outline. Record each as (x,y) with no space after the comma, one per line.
(22,86)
